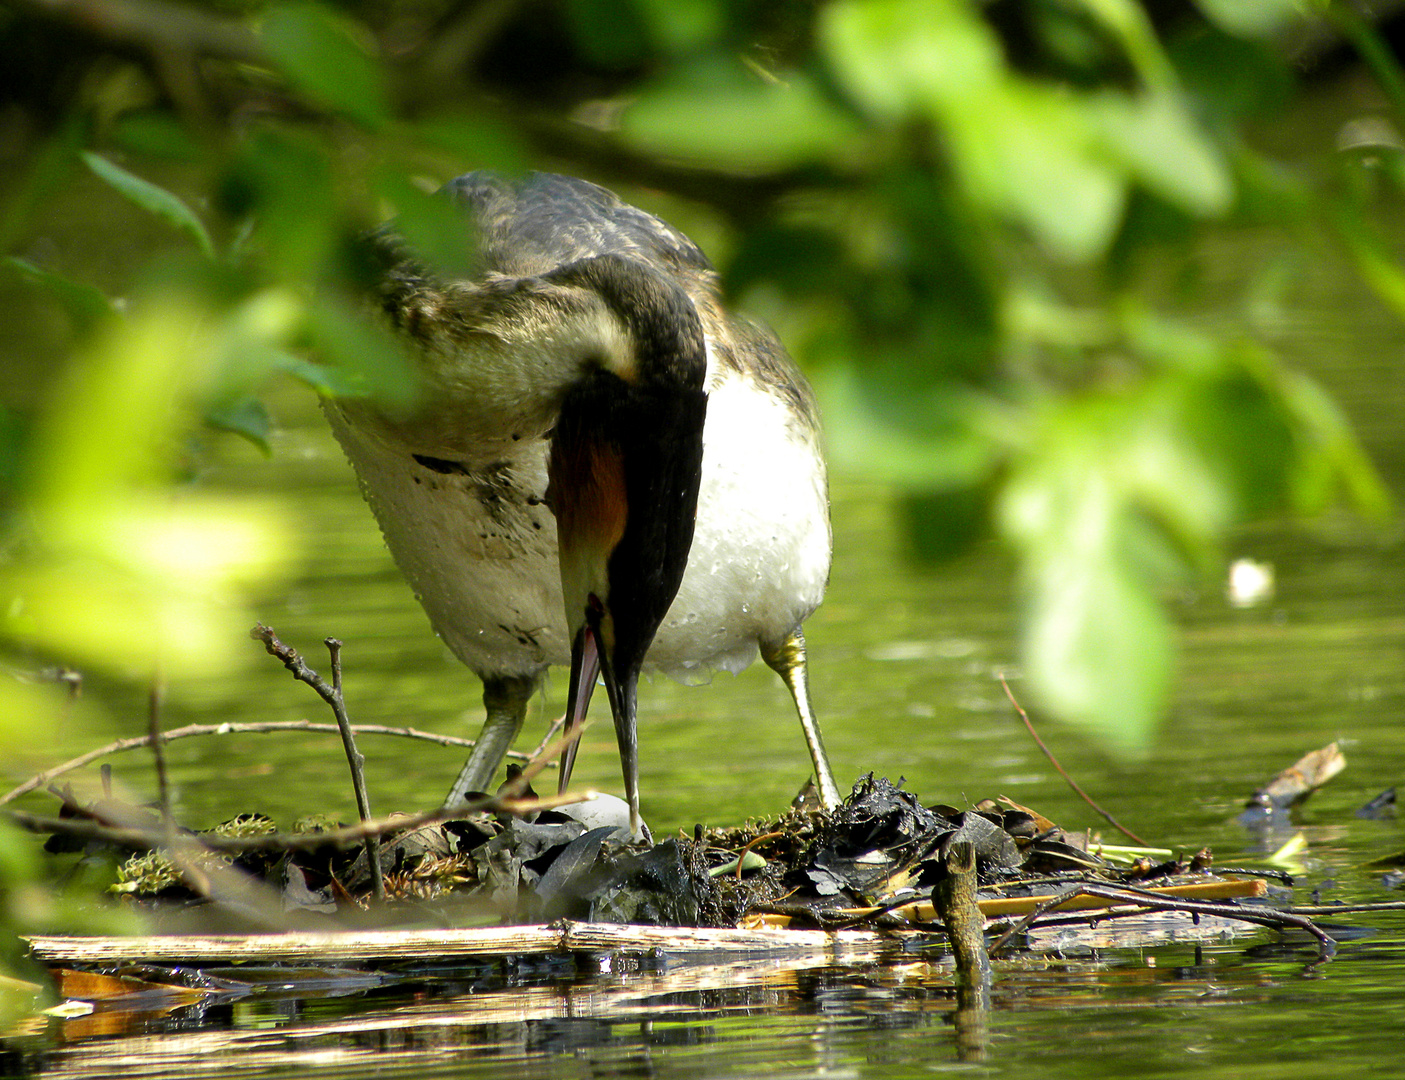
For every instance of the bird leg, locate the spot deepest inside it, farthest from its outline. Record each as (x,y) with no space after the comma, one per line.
(506,701)
(788,661)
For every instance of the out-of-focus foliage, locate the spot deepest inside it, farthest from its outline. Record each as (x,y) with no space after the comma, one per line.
(945,205)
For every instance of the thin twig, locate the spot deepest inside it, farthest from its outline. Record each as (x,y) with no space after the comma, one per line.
(357,761)
(332,695)
(158,750)
(1060,769)
(541,758)
(191,731)
(551,733)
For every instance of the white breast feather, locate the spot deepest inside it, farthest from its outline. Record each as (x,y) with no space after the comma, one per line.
(488,577)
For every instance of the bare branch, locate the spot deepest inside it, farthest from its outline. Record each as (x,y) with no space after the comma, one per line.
(269,727)
(1060,769)
(158,749)
(138,836)
(332,695)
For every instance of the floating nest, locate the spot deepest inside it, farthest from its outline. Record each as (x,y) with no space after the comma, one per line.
(879,862)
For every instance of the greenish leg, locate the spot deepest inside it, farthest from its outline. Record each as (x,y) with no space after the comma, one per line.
(506,703)
(788,661)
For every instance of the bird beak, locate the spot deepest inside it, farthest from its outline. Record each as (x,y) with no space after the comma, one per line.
(624,472)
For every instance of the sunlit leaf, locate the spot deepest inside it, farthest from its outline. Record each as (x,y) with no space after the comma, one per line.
(1253,18)
(1019,148)
(1028,153)
(128,625)
(116,412)
(738,122)
(898,57)
(150,197)
(1108,502)
(1154,138)
(326,59)
(1096,647)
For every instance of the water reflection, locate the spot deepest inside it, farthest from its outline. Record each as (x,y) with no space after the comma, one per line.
(1208,1009)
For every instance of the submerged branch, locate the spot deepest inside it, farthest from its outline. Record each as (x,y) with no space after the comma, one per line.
(1145,899)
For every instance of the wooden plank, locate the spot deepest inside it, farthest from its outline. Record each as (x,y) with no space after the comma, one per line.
(381,946)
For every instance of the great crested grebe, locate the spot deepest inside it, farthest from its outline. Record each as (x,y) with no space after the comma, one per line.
(605,468)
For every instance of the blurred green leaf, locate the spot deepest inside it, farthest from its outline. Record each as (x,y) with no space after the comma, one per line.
(150,197)
(281,181)
(115,412)
(85,304)
(156,133)
(1029,153)
(432,223)
(1020,149)
(678,26)
(1379,267)
(1109,500)
(1253,18)
(327,58)
(803,261)
(942,449)
(729,119)
(476,142)
(899,57)
(1230,77)
(1332,451)
(610,32)
(1128,20)
(367,360)
(1154,139)
(1095,646)
(246,417)
(121,573)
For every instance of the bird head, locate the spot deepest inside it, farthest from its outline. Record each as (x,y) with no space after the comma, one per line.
(624,473)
